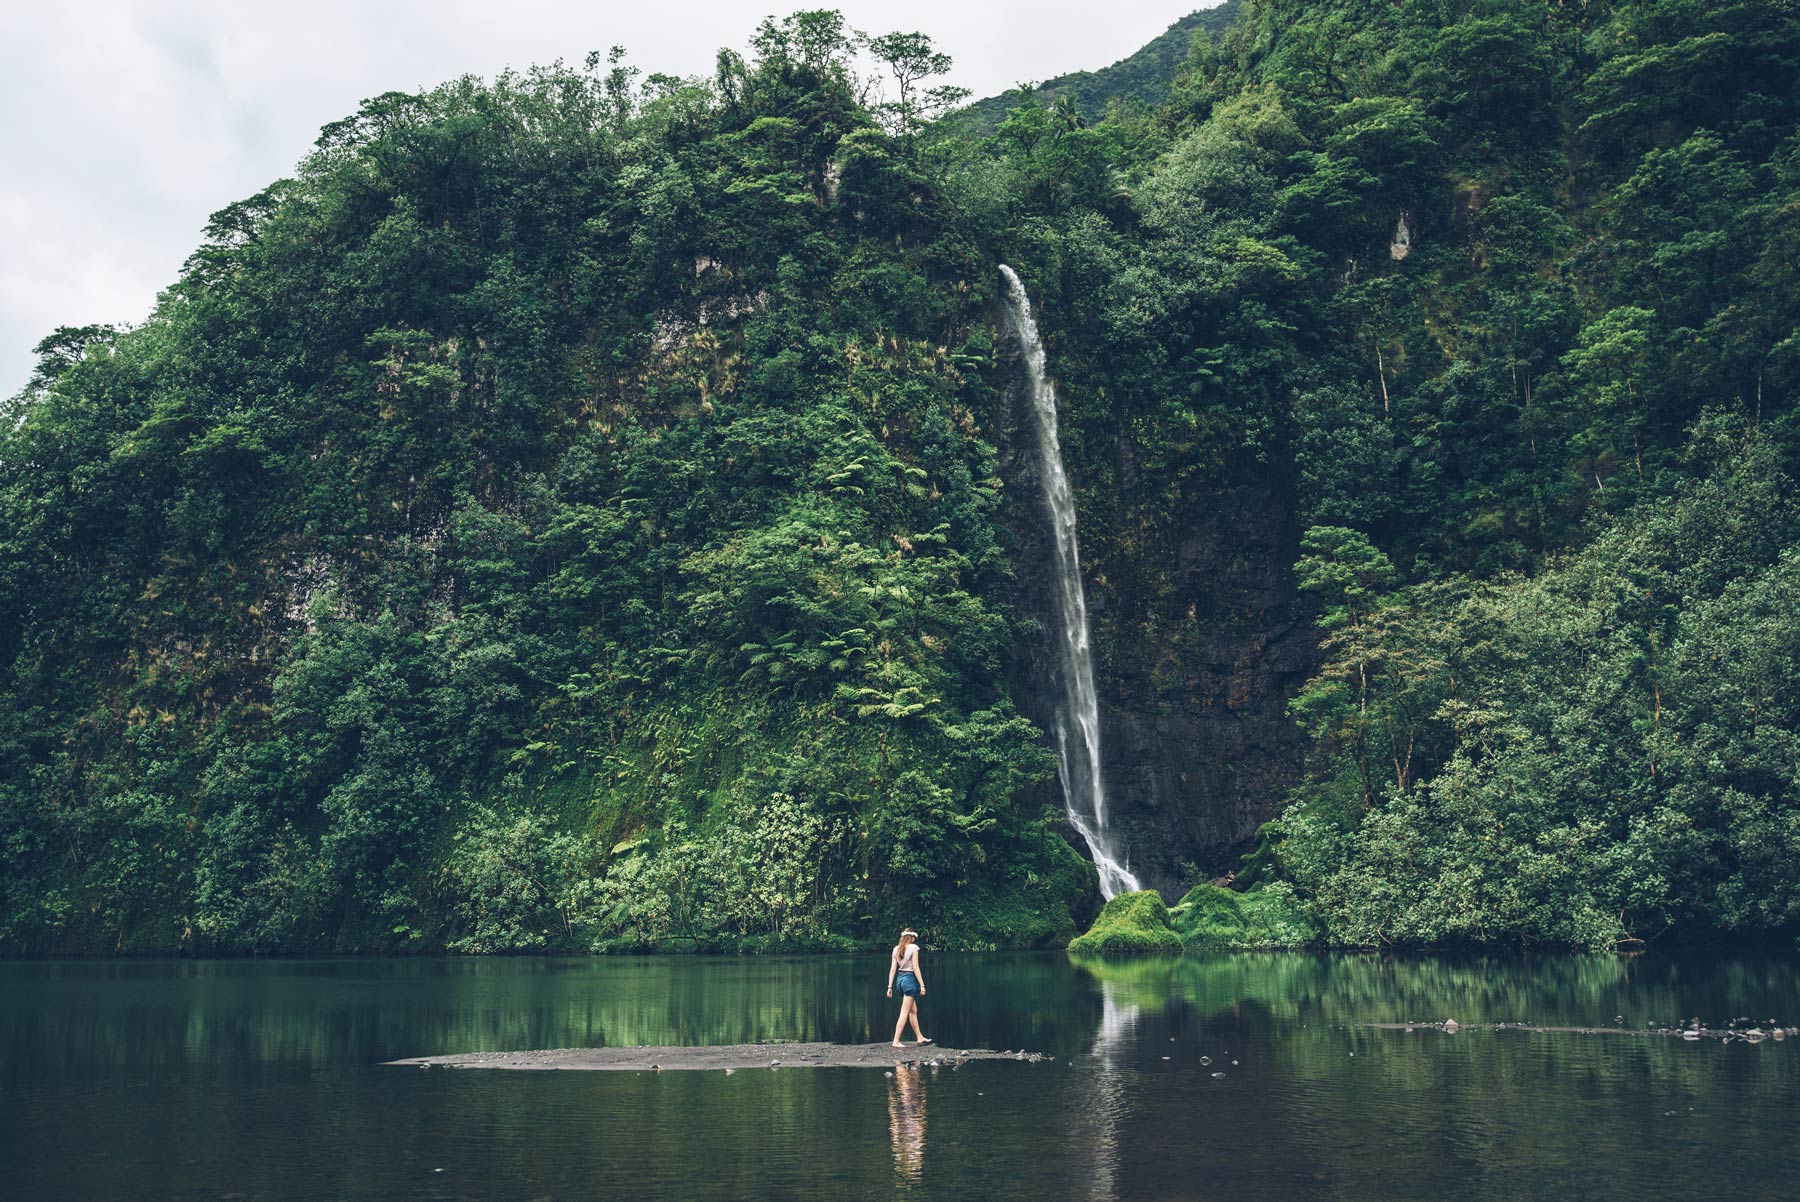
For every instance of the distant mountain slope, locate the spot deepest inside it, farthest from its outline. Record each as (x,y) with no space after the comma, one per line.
(1144,75)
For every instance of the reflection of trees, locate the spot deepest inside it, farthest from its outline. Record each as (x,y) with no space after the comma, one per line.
(1363,988)
(906,1120)
(1502,1114)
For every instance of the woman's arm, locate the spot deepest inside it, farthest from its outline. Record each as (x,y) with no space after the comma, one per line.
(919,972)
(893,964)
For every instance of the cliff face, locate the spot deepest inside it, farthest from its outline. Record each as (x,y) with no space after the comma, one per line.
(1198,644)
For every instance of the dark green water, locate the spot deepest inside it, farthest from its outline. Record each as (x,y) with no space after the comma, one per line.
(128,1080)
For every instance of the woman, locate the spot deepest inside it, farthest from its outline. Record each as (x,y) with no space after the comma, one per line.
(903,967)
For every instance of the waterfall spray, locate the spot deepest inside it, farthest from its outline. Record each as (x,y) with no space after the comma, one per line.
(1078,718)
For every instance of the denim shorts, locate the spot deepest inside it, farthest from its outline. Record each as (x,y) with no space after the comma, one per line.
(909,984)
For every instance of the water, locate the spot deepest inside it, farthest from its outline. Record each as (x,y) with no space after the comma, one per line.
(261,1080)
(1078,719)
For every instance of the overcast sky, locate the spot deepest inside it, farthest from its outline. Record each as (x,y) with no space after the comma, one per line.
(125,123)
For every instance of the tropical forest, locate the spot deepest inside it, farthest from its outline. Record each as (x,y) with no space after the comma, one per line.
(1326,481)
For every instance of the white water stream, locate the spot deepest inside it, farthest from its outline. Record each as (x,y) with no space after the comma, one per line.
(1078,718)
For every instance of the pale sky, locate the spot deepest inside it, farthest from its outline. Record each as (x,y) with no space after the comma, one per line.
(125,123)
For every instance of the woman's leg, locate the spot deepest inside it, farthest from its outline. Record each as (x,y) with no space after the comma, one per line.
(912,1012)
(900,1024)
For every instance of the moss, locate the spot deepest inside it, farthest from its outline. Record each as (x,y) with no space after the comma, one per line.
(1214,917)
(1210,916)
(1132,924)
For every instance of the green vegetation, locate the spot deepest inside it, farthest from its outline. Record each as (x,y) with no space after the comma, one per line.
(567,513)
(1141,79)
(1132,924)
(557,517)
(1212,916)
(1208,918)
(1505,298)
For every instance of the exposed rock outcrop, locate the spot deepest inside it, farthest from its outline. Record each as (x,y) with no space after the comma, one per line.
(1198,648)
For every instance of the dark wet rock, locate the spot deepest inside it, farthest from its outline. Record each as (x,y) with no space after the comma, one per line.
(1198,643)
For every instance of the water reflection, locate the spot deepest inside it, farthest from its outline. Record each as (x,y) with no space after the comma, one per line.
(166,1081)
(906,1121)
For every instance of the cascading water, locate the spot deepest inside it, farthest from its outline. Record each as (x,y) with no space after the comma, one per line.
(1078,719)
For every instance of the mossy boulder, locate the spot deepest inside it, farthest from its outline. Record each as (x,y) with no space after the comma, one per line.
(1211,916)
(1132,924)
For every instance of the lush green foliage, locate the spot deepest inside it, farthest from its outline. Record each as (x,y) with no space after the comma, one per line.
(1505,298)
(1141,79)
(1212,916)
(566,513)
(1595,754)
(555,518)
(1132,924)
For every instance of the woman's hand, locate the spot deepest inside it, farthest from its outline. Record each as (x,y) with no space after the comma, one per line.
(921,991)
(890,991)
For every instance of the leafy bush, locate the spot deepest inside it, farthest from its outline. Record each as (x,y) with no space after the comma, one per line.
(1271,915)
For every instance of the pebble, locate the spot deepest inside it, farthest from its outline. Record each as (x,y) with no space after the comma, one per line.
(1451,1026)
(1206,1060)
(1218,1076)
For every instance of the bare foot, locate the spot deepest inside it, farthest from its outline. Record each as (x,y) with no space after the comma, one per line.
(897,1045)
(923,1041)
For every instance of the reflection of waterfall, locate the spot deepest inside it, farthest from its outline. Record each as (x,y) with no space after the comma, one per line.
(1106,1099)
(906,1121)
(1078,719)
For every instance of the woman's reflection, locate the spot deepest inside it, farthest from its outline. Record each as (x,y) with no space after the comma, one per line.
(906,1120)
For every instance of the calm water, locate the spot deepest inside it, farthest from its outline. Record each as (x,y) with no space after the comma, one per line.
(238,1079)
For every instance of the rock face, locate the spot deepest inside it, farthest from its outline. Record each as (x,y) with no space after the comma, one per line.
(1197,640)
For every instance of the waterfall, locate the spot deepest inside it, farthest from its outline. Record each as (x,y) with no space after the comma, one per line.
(1078,718)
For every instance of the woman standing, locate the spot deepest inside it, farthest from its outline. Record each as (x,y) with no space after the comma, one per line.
(903,969)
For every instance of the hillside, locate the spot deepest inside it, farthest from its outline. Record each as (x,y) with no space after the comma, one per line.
(573,513)
(1142,77)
